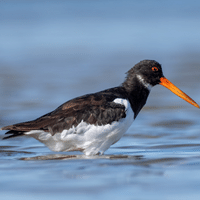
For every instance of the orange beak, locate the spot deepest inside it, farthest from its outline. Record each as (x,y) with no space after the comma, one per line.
(166,83)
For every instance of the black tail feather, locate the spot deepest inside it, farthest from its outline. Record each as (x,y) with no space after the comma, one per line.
(13,134)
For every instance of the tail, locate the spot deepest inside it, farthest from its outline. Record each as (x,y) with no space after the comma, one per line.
(20,129)
(13,134)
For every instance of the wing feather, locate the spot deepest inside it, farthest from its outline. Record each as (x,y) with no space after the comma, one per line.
(98,109)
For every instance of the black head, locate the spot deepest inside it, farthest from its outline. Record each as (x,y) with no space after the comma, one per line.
(148,71)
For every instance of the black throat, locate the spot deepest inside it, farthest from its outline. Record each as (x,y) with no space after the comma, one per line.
(137,93)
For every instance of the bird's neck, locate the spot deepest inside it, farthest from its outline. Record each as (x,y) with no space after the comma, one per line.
(137,94)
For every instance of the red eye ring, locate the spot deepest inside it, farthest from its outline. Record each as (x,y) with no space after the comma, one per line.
(154,69)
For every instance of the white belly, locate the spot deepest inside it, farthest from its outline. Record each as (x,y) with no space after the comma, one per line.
(91,139)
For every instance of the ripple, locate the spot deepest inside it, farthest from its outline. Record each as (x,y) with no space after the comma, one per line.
(174,124)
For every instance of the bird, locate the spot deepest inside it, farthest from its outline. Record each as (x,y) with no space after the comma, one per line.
(93,122)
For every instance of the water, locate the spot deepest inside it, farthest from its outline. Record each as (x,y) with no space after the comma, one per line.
(53,51)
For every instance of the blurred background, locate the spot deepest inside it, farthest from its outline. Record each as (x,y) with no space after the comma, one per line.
(52,51)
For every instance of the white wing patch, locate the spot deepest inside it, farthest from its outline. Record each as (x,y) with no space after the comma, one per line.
(122,102)
(91,139)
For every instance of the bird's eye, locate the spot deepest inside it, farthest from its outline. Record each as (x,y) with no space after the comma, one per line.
(154,69)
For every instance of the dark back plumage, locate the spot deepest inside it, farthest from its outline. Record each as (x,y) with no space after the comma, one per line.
(98,109)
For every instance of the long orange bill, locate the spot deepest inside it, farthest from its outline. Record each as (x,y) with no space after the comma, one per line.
(166,83)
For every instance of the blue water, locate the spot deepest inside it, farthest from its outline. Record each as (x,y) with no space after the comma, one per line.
(52,51)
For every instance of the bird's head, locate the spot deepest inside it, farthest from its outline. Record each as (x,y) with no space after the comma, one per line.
(149,73)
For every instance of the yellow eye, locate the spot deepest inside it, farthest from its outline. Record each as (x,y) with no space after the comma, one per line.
(154,69)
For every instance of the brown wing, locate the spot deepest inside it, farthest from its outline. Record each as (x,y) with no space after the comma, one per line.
(96,109)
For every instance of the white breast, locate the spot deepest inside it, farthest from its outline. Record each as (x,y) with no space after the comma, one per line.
(91,139)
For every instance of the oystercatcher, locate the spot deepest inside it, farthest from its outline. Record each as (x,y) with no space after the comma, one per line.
(93,122)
